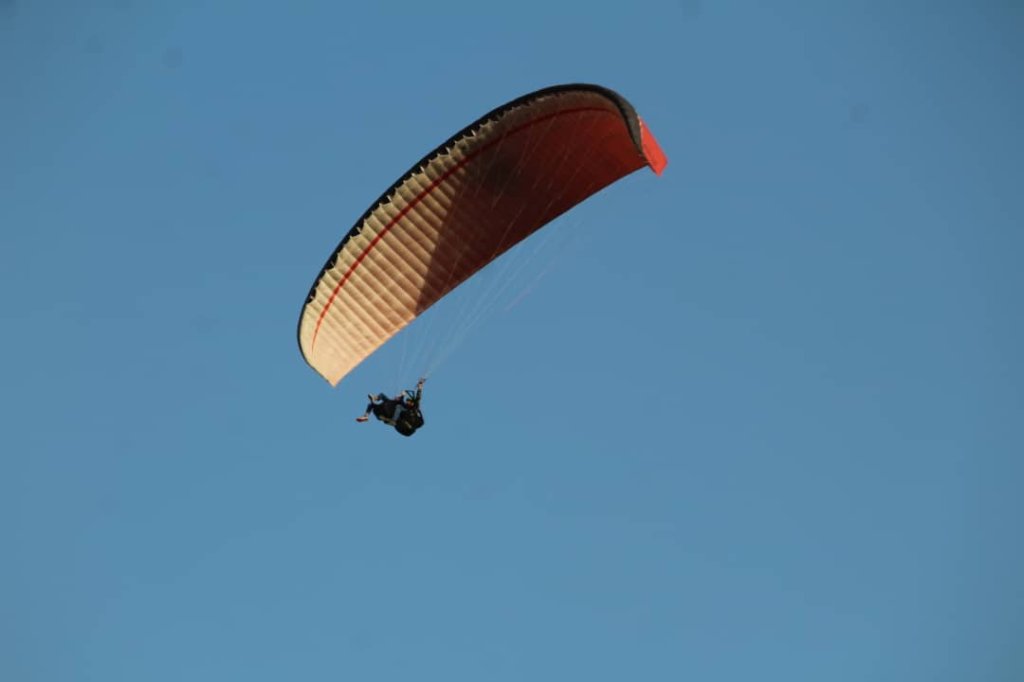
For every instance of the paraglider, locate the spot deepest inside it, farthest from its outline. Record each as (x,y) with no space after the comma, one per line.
(401,412)
(485,189)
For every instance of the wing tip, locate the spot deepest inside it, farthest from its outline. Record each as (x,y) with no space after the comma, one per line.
(653,153)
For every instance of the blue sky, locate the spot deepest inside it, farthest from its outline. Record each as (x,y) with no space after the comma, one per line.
(760,418)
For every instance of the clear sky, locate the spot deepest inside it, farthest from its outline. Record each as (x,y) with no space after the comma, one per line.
(760,418)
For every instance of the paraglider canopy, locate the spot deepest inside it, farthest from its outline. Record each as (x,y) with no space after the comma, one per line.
(485,189)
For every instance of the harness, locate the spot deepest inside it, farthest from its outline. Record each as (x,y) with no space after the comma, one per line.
(396,413)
